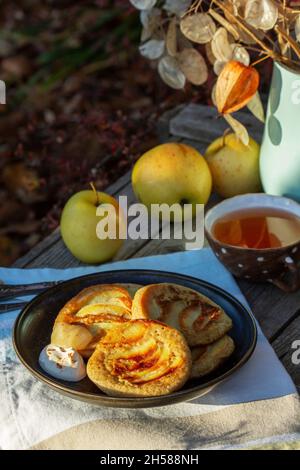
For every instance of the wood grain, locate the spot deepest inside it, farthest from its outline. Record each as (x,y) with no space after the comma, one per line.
(202,123)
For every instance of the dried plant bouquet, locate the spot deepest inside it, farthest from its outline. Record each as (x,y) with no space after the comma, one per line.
(234,35)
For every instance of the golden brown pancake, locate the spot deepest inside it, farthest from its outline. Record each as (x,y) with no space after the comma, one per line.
(199,319)
(205,359)
(85,318)
(140,358)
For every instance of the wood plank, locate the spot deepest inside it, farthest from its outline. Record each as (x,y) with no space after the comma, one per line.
(273,308)
(57,256)
(285,348)
(38,250)
(284,339)
(159,247)
(116,187)
(202,123)
(163,124)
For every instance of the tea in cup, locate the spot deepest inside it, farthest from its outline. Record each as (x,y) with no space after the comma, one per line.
(257,237)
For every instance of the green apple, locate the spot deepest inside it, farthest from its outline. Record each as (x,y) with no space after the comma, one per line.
(78,226)
(172,173)
(234,166)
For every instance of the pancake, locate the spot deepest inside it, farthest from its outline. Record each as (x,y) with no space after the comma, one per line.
(140,358)
(199,319)
(206,359)
(85,318)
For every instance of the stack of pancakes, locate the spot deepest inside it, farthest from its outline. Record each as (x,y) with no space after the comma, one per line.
(144,341)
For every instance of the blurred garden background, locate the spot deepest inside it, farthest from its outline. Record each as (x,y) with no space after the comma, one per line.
(78,94)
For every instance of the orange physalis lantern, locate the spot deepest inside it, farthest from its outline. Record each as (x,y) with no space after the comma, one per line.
(236,86)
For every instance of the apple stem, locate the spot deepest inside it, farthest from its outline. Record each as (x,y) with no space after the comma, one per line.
(96,193)
(226,132)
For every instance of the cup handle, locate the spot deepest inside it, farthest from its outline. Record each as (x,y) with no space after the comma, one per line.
(292,284)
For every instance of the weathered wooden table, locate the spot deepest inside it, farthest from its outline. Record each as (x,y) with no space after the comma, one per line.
(278,313)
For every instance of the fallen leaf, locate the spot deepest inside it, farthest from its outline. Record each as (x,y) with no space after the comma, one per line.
(18,176)
(24,228)
(236,86)
(16,66)
(9,251)
(23,182)
(11,210)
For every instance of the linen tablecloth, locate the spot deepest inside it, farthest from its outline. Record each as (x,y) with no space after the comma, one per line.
(257,406)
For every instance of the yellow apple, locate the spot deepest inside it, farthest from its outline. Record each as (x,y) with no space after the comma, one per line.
(78,227)
(234,166)
(172,173)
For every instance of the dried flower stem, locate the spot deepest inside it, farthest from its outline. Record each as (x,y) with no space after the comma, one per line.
(245,28)
(290,40)
(220,19)
(193,8)
(287,11)
(271,53)
(258,61)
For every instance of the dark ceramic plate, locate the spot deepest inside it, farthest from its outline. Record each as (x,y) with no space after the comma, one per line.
(33,328)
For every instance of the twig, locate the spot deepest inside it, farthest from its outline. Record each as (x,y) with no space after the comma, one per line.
(272,53)
(193,8)
(287,10)
(220,19)
(290,40)
(245,28)
(267,45)
(258,61)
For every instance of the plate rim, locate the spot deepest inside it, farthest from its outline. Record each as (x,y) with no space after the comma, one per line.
(136,402)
